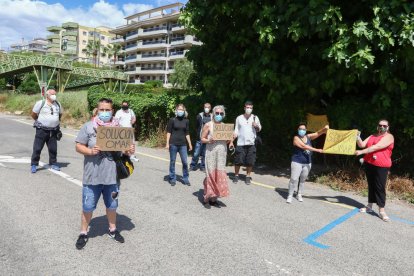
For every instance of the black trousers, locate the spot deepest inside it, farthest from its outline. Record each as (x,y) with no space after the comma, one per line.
(377,180)
(43,137)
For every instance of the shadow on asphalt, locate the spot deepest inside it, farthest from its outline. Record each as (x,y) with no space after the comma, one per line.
(334,199)
(99,225)
(179,178)
(200,198)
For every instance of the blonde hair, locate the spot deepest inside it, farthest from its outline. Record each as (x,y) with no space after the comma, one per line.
(183,106)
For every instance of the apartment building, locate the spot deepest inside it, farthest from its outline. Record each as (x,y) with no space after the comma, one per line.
(37,45)
(152,41)
(71,39)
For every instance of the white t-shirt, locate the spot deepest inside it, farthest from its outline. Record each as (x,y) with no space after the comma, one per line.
(125,117)
(48,116)
(244,130)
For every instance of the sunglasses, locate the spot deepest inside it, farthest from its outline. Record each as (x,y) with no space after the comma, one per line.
(51,110)
(220,113)
(382,126)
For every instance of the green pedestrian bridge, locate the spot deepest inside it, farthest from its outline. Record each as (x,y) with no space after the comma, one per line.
(47,67)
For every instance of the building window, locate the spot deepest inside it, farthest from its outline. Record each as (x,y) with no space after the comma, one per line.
(85,33)
(102,37)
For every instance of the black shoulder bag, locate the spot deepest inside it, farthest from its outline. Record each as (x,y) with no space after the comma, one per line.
(124,165)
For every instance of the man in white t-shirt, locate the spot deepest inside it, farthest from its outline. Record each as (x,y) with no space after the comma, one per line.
(47,114)
(126,118)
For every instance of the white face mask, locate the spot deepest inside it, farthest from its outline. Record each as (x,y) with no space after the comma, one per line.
(249,111)
(52,98)
(206,110)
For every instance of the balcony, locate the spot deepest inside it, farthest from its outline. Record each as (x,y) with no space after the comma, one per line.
(131,36)
(130,71)
(153,31)
(152,57)
(118,40)
(178,54)
(188,39)
(131,48)
(177,27)
(53,36)
(70,25)
(150,70)
(131,59)
(70,33)
(54,28)
(119,62)
(152,44)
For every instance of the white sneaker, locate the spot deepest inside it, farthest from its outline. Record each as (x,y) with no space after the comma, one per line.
(289,199)
(299,197)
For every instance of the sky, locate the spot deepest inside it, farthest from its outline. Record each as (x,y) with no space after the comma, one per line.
(27,19)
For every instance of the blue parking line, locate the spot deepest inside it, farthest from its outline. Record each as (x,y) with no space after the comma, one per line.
(401,220)
(311,239)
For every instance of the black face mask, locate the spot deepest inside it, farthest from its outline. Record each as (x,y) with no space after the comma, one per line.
(125,107)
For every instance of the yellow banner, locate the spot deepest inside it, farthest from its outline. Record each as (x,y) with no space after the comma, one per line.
(340,141)
(316,122)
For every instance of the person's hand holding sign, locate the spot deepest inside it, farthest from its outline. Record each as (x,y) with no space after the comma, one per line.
(131,150)
(95,150)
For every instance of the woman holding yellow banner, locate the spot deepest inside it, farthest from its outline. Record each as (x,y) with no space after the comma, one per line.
(302,159)
(378,150)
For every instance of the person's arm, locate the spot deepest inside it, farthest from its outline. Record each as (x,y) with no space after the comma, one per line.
(199,122)
(382,144)
(35,115)
(36,110)
(204,135)
(169,130)
(236,129)
(133,117)
(60,111)
(299,143)
(256,124)
(187,135)
(315,135)
(362,144)
(131,150)
(83,149)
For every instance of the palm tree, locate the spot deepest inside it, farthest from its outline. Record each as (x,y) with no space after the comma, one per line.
(112,50)
(94,49)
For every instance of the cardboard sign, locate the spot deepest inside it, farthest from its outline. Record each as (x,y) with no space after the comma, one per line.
(114,138)
(223,132)
(340,141)
(316,122)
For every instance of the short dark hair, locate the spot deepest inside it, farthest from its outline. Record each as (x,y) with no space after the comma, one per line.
(248,103)
(303,124)
(105,100)
(125,102)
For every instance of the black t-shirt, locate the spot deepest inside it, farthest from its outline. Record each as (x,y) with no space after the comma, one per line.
(179,128)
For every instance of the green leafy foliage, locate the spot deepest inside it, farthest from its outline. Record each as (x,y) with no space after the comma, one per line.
(183,70)
(289,56)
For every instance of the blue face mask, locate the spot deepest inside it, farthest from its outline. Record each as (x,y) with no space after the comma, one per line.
(301,132)
(218,118)
(105,116)
(180,113)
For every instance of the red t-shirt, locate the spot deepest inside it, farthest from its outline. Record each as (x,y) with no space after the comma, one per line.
(379,158)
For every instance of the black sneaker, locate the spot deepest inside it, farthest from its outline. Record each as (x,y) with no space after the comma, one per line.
(172,182)
(193,168)
(248,180)
(82,240)
(203,169)
(235,179)
(207,205)
(116,236)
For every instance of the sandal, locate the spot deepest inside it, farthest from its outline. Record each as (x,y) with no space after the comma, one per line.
(384,216)
(366,209)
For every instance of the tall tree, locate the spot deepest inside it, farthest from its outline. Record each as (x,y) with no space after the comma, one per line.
(94,48)
(183,70)
(112,50)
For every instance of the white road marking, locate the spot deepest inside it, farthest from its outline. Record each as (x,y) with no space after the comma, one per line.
(11,159)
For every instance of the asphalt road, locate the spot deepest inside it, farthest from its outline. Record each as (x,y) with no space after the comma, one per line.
(168,231)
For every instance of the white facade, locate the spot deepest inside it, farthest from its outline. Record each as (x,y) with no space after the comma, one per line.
(152,41)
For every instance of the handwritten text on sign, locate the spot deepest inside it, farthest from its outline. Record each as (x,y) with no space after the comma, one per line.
(223,132)
(340,141)
(114,138)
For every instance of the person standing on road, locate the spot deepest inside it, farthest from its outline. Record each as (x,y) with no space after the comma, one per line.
(99,173)
(126,118)
(245,130)
(200,148)
(215,183)
(47,114)
(178,136)
(377,160)
(302,159)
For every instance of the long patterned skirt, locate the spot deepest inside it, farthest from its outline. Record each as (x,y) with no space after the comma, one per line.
(216,182)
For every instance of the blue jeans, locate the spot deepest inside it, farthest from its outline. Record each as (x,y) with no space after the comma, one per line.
(199,151)
(182,150)
(92,193)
